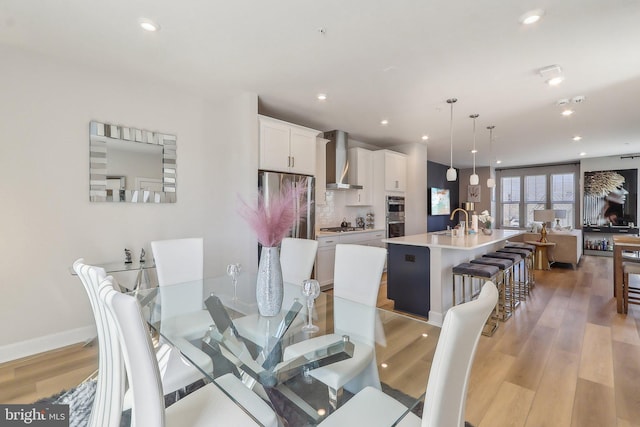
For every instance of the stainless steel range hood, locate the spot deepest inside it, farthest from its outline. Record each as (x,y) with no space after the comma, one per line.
(338,161)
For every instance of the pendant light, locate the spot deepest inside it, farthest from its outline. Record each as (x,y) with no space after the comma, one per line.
(474,179)
(452,175)
(491,182)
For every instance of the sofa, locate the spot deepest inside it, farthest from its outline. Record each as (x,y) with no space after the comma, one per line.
(568,247)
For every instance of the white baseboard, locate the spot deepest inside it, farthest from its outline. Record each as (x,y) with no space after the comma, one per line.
(435,318)
(46,343)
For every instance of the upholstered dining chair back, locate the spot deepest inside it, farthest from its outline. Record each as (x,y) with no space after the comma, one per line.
(297,257)
(446,395)
(107,406)
(357,273)
(179,261)
(139,356)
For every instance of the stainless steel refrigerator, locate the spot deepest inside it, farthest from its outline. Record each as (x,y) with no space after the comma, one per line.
(270,183)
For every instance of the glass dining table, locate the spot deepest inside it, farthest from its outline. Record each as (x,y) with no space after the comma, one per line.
(212,316)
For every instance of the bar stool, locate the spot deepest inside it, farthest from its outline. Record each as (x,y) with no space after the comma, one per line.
(506,306)
(483,273)
(518,294)
(526,271)
(629,267)
(531,262)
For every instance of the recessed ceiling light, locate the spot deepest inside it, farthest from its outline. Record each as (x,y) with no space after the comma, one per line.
(148,25)
(384,122)
(425,335)
(384,365)
(474,151)
(567,112)
(425,137)
(552,74)
(577,138)
(583,154)
(322,411)
(531,17)
(555,81)
(322,97)
(498,161)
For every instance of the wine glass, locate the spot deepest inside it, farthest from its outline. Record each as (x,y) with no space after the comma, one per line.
(233,270)
(311,290)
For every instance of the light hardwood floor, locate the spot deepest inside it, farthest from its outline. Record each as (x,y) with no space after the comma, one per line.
(565,358)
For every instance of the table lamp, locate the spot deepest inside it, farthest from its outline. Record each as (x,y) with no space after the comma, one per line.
(544,216)
(560,214)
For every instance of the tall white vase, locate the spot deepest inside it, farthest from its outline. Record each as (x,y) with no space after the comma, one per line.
(269,288)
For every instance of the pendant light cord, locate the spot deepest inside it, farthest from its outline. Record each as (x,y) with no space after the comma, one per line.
(490,145)
(474,144)
(473,151)
(451,101)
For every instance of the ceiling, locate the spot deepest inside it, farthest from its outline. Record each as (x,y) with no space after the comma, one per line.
(394,60)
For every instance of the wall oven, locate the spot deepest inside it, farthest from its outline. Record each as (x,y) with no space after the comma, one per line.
(395,216)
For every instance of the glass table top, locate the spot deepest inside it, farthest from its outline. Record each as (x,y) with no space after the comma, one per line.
(277,359)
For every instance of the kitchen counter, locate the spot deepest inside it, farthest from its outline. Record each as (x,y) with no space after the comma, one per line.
(327,241)
(419,268)
(443,239)
(341,233)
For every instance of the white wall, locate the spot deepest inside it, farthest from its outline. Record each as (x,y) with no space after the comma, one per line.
(486,193)
(46,218)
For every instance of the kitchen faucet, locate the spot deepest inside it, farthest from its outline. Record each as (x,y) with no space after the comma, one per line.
(466,214)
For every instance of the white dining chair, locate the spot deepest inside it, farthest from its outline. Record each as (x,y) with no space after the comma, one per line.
(297,257)
(176,372)
(446,395)
(107,408)
(181,261)
(207,406)
(358,271)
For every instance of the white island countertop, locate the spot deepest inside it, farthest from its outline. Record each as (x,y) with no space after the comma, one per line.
(442,239)
(340,233)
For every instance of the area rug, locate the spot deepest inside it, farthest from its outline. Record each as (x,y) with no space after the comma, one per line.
(80,401)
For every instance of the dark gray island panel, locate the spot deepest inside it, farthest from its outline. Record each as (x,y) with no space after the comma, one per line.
(408,278)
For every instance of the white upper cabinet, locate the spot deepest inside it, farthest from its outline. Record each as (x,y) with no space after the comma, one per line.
(395,170)
(360,173)
(286,147)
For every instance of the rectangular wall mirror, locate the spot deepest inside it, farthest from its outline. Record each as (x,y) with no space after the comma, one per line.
(131,165)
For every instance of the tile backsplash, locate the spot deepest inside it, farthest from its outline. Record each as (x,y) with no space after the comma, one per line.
(332,213)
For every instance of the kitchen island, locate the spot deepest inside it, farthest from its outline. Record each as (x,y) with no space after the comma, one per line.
(419,277)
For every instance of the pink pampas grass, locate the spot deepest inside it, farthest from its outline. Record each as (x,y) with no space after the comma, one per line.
(272,223)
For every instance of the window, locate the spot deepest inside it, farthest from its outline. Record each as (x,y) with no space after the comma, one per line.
(525,190)
(535,195)
(510,201)
(563,197)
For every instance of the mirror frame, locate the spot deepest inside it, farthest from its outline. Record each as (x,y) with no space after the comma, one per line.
(100,133)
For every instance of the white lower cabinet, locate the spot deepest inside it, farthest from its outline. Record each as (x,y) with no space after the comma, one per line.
(326,256)
(325,259)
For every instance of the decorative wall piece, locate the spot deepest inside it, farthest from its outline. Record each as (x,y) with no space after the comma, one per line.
(602,183)
(473,193)
(610,197)
(131,165)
